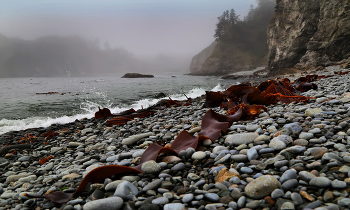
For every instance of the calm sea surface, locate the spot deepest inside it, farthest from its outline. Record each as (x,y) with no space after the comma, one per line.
(22,106)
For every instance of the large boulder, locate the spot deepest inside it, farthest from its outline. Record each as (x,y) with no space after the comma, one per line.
(308,34)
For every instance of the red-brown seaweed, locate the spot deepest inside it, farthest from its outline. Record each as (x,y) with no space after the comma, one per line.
(212,125)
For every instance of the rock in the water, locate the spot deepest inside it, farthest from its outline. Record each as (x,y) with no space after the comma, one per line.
(262,186)
(137,75)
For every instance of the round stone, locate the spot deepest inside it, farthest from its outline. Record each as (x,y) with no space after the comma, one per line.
(247,170)
(322,182)
(219,148)
(199,155)
(296,197)
(24,158)
(312,112)
(287,206)
(212,197)
(187,198)
(126,191)
(178,167)
(289,184)
(289,174)
(193,177)
(252,154)
(110,203)
(151,167)
(277,144)
(174,206)
(277,193)
(336,184)
(160,201)
(243,138)
(293,128)
(262,186)
(241,202)
(252,128)
(306,176)
(307,136)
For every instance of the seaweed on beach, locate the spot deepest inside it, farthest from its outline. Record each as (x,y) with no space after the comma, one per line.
(241,106)
(212,125)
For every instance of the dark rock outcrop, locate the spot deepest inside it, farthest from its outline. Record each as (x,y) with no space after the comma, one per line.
(137,75)
(199,59)
(307,34)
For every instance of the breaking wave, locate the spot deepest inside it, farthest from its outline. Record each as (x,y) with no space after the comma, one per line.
(88,109)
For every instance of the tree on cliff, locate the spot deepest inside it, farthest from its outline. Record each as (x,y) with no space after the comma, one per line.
(257,19)
(245,38)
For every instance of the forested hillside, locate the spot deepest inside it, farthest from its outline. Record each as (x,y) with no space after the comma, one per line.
(241,43)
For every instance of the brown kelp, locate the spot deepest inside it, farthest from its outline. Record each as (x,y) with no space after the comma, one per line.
(242,102)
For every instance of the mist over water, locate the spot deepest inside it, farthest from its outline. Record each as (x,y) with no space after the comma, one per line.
(145,36)
(81,48)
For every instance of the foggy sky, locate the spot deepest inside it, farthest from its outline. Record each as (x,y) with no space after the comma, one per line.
(143,27)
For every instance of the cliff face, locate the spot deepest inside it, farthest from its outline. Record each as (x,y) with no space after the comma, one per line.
(199,59)
(306,34)
(221,58)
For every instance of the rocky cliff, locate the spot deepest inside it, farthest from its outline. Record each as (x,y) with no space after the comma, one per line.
(199,59)
(307,34)
(221,58)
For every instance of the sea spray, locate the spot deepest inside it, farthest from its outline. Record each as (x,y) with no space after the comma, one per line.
(89,105)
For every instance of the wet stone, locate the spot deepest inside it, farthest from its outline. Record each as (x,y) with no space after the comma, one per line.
(307,136)
(288,175)
(330,156)
(238,139)
(289,184)
(253,204)
(241,202)
(178,167)
(287,206)
(252,154)
(212,197)
(247,170)
(322,182)
(277,193)
(160,201)
(338,184)
(151,167)
(110,203)
(345,202)
(187,198)
(199,155)
(174,206)
(126,191)
(296,197)
(262,186)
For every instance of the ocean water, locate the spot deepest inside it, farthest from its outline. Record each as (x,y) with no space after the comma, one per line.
(23,106)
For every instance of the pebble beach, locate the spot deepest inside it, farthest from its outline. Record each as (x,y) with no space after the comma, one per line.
(295,156)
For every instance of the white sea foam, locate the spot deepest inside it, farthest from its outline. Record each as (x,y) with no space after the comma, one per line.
(88,109)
